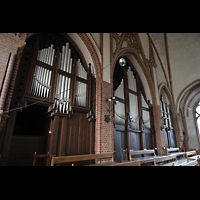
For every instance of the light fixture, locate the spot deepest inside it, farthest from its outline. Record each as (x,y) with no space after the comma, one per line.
(122,62)
(110,99)
(107,117)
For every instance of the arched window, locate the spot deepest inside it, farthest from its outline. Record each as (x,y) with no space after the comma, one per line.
(197,114)
(167,121)
(132,113)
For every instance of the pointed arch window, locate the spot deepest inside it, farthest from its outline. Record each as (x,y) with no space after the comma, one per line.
(167,122)
(197,114)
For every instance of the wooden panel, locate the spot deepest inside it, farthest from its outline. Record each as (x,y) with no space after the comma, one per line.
(166,138)
(135,140)
(77,136)
(117,146)
(172,139)
(148,138)
(75,158)
(62,136)
(150,151)
(54,135)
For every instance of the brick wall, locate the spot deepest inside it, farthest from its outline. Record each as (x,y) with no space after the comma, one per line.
(107,137)
(9,43)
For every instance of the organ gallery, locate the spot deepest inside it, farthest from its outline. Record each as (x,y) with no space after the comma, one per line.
(105,99)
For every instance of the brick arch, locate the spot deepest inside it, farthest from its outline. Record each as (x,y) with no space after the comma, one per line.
(93,54)
(163,86)
(195,104)
(183,91)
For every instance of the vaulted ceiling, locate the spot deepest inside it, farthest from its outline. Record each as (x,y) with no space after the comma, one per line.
(183,51)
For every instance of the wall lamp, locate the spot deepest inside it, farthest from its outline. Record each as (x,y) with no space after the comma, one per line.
(107,117)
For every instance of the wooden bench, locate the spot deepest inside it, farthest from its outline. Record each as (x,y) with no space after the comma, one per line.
(142,152)
(178,153)
(129,163)
(155,159)
(85,157)
(40,156)
(191,163)
(162,159)
(193,155)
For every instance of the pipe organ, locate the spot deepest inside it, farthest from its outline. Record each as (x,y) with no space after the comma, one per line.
(80,95)
(41,84)
(63,82)
(59,89)
(132,114)
(42,76)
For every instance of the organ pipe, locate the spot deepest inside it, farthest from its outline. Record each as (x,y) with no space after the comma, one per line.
(42,78)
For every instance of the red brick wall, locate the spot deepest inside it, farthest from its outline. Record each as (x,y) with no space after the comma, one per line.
(9,43)
(107,137)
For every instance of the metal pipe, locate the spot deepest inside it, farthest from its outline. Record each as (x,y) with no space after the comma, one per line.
(66,68)
(44,78)
(43,72)
(38,89)
(69,81)
(34,75)
(47,72)
(37,73)
(50,72)
(65,56)
(63,80)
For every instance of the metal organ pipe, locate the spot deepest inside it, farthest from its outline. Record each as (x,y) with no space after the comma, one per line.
(63,82)
(42,76)
(81,87)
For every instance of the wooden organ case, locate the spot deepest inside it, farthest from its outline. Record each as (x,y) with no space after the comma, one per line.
(133,116)
(64,88)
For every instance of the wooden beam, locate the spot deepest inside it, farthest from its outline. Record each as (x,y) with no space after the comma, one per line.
(168,61)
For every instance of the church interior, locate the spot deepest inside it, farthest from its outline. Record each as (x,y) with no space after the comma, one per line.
(99,99)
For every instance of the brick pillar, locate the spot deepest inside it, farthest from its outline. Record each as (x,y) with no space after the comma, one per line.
(107,135)
(159,134)
(104,140)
